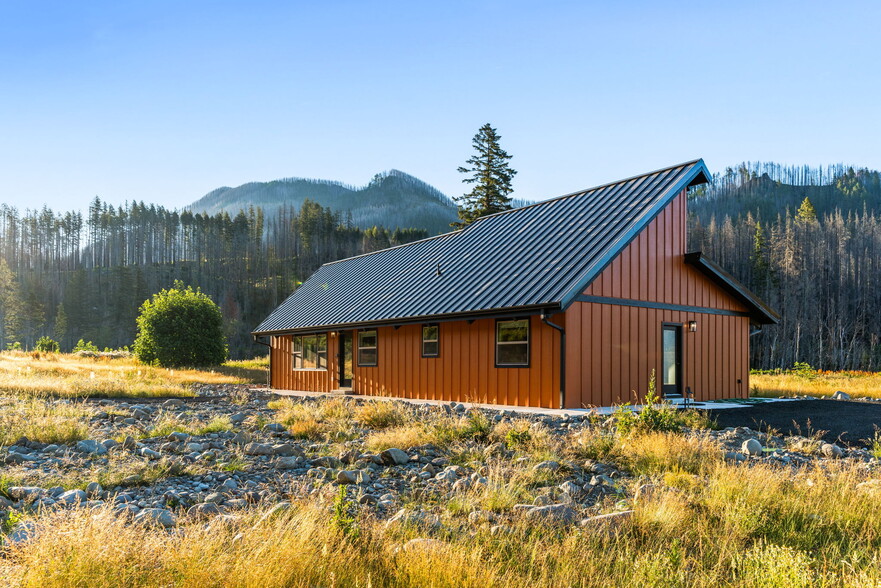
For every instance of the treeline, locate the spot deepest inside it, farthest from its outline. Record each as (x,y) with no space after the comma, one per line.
(71,276)
(808,241)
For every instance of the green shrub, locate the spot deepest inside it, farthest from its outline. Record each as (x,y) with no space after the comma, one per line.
(85,346)
(46,345)
(180,327)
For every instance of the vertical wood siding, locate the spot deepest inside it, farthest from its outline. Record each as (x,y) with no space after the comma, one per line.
(611,350)
(465,370)
(285,378)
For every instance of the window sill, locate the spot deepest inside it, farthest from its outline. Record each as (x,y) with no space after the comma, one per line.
(309,370)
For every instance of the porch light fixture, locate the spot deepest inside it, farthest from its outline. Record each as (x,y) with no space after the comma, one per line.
(692,326)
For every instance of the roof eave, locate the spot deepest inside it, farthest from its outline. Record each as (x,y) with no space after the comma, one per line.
(550,307)
(760,312)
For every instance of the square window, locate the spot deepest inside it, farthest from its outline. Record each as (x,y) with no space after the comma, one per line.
(367,348)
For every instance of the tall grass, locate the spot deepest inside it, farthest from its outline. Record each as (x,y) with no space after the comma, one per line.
(42,420)
(74,376)
(758,526)
(807,381)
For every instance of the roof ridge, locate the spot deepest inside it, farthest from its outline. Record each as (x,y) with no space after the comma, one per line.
(534,204)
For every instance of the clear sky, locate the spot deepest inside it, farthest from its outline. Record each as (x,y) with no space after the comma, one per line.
(164,101)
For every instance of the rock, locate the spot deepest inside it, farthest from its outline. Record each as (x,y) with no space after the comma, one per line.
(258,449)
(498,530)
(479,517)
(277,509)
(394,456)
(214,497)
(238,418)
(549,466)
(447,476)
(831,450)
(543,499)
(204,510)
(172,403)
(129,442)
(157,516)
(416,519)
(94,490)
(178,437)
(287,449)
(327,461)
(149,453)
(841,395)
(195,447)
(751,446)
(288,463)
(21,533)
(110,443)
(734,456)
(275,427)
(570,488)
(240,438)
(347,477)
(26,493)
(607,522)
(230,484)
(553,513)
(91,446)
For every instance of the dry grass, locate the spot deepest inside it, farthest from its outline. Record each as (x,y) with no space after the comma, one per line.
(42,420)
(74,376)
(816,383)
(750,527)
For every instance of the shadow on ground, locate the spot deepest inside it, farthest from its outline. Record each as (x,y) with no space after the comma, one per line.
(851,423)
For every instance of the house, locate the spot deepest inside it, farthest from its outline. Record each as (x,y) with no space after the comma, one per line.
(570,302)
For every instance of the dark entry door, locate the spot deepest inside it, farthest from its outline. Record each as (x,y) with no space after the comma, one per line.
(671,368)
(345,359)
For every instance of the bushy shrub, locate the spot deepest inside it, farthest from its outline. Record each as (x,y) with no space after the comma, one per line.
(46,345)
(180,327)
(85,346)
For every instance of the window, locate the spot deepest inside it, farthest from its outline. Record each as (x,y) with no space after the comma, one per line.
(309,352)
(430,341)
(512,343)
(367,348)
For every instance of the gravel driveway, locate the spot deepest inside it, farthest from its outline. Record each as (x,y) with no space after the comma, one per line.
(841,421)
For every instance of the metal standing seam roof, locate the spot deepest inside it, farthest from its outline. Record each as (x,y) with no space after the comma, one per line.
(535,258)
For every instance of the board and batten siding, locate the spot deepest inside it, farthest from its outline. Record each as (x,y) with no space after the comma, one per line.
(465,370)
(611,349)
(283,377)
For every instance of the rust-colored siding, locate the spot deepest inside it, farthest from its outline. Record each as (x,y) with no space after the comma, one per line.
(465,370)
(281,375)
(611,349)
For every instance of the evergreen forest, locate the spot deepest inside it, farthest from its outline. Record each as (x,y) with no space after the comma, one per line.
(806,240)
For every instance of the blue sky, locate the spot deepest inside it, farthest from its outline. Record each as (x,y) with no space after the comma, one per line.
(164,101)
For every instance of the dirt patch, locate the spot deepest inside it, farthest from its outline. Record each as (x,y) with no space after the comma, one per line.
(850,423)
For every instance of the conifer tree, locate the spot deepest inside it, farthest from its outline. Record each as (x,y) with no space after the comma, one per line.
(491,176)
(806,212)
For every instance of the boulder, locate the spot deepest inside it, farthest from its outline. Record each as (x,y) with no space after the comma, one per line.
(607,522)
(204,510)
(258,449)
(839,395)
(394,456)
(752,446)
(157,516)
(91,446)
(288,463)
(26,493)
(547,466)
(831,450)
(551,514)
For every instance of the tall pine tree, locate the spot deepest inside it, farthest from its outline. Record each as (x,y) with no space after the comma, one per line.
(491,176)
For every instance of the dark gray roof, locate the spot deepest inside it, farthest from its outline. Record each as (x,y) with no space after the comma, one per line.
(759,312)
(530,259)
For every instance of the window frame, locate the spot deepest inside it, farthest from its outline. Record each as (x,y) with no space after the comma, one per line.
(528,343)
(298,352)
(436,340)
(375,347)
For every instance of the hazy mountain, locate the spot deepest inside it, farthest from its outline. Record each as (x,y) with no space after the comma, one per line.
(391,199)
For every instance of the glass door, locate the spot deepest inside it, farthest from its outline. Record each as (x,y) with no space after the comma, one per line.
(671,368)
(345,359)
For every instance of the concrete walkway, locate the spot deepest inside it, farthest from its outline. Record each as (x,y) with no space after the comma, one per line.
(603,410)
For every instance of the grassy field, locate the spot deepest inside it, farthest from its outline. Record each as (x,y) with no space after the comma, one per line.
(69,375)
(815,383)
(708,523)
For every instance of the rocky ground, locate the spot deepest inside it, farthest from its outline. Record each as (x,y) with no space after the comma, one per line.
(226,451)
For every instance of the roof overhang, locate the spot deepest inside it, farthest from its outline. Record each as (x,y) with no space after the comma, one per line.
(550,308)
(760,313)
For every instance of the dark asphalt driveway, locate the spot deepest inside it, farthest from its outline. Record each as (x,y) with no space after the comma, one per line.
(846,422)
